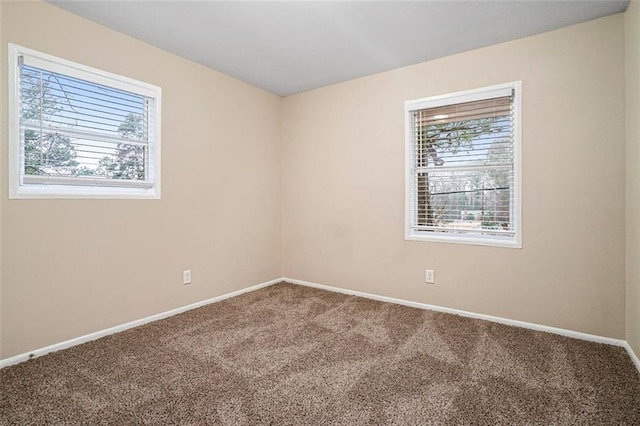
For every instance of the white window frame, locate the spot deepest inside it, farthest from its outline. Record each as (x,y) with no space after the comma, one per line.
(410,197)
(75,188)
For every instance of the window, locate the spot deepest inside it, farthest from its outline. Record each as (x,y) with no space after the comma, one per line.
(78,132)
(463,167)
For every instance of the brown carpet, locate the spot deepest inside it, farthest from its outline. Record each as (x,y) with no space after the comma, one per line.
(287,354)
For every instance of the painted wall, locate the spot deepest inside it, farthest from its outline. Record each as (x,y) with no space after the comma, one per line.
(71,267)
(343,184)
(2,168)
(632,73)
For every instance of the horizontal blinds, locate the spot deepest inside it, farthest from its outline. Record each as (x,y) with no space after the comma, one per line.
(463,168)
(70,69)
(486,108)
(85,181)
(76,131)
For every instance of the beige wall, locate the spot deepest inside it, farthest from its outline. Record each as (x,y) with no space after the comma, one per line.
(71,267)
(2,166)
(632,72)
(343,184)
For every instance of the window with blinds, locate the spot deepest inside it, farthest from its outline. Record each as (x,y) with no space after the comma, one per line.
(463,167)
(78,131)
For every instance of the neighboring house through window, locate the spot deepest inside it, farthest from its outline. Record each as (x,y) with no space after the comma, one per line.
(78,132)
(463,167)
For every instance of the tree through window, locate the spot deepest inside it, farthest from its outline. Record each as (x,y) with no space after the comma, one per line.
(81,131)
(463,167)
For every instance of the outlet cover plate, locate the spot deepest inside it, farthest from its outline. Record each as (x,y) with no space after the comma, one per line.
(429,276)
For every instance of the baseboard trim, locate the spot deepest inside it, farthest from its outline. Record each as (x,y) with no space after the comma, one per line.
(633,355)
(98,334)
(533,326)
(500,320)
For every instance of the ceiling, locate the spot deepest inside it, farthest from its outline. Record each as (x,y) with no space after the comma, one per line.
(288,47)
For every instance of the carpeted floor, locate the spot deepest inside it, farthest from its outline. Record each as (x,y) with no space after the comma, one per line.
(287,354)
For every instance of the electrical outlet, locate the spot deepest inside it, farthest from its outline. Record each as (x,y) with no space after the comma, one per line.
(429,276)
(186,276)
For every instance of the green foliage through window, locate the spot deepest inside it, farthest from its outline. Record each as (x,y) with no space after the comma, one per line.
(75,128)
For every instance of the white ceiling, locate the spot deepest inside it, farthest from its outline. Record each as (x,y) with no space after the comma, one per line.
(288,47)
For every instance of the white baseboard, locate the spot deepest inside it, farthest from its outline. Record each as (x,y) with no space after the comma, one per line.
(632,354)
(523,324)
(93,336)
(98,334)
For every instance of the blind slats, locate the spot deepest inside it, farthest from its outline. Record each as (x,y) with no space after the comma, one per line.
(85,181)
(60,86)
(463,168)
(476,110)
(81,132)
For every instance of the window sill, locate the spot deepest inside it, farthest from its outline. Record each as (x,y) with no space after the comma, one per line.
(78,192)
(477,241)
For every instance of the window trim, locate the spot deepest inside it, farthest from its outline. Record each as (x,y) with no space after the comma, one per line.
(455,98)
(18,189)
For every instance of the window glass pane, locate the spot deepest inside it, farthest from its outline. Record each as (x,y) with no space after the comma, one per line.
(80,132)
(127,162)
(67,103)
(465,200)
(49,154)
(76,128)
(463,167)
(480,141)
